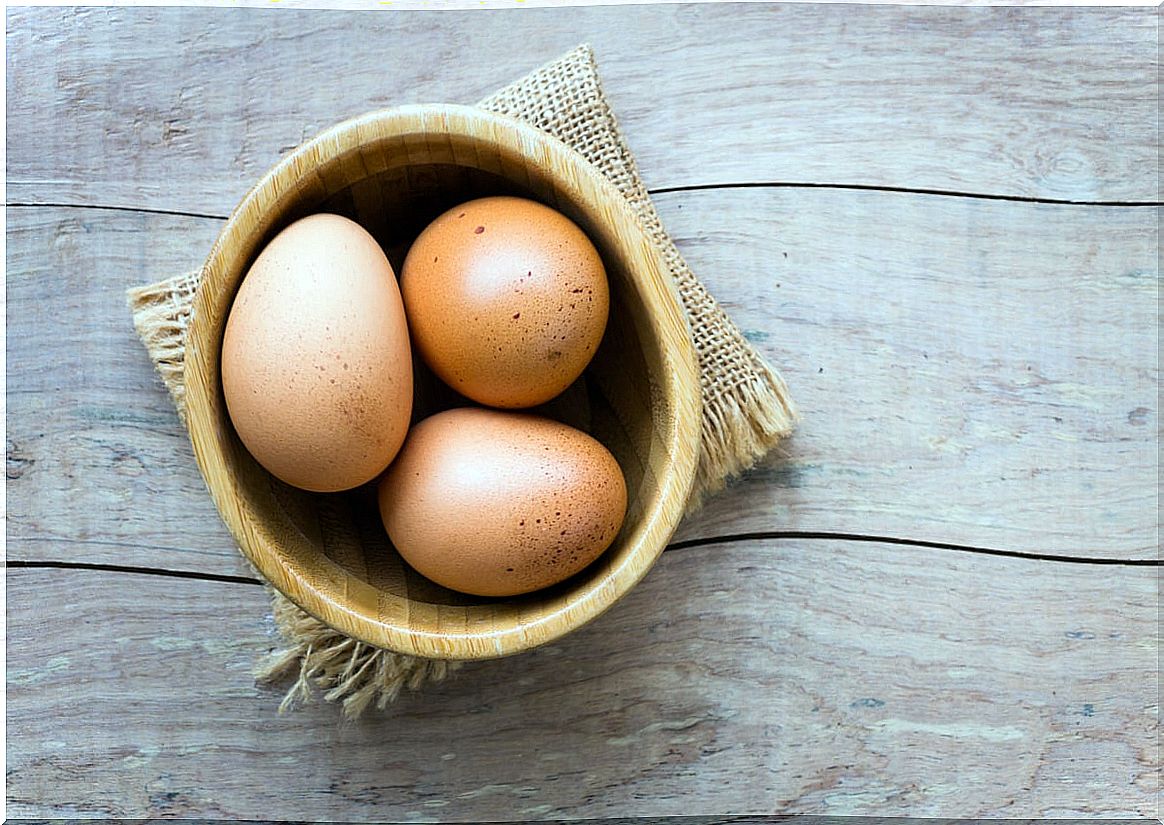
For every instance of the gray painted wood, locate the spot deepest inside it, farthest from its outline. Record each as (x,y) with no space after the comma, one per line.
(972,371)
(183,108)
(826,677)
(969,371)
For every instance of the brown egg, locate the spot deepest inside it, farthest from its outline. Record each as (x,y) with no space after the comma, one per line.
(498,503)
(507,300)
(316,366)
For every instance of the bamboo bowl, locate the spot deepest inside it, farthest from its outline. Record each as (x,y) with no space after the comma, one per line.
(393,171)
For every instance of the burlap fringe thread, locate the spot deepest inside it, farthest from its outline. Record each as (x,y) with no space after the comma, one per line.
(746,405)
(344,670)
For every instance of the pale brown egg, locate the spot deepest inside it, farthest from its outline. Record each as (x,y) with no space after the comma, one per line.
(316,364)
(498,503)
(507,300)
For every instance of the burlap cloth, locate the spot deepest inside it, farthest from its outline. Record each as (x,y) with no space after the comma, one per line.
(746,406)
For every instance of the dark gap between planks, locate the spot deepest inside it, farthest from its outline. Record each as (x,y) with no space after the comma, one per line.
(662,190)
(682,545)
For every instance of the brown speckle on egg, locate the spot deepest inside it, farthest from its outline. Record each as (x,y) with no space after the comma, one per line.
(460,298)
(498,503)
(321,291)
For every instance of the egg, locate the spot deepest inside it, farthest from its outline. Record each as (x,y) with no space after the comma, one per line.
(499,503)
(507,300)
(316,362)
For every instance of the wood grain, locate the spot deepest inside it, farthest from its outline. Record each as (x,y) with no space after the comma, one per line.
(974,372)
(98,466)
(775,677)
(968,371)
(183,108)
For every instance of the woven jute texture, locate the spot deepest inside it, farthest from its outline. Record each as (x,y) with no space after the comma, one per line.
(746,405)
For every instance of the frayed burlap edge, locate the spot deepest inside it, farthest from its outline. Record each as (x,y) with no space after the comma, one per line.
(343,669)
(319,657)
(747,409)
(161,316)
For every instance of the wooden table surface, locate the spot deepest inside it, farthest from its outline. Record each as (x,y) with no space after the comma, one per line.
(941,598)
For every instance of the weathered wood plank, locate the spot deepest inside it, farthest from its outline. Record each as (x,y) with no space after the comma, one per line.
(974,372)
(968,371)
(183,108)
(99,468)
(825,677)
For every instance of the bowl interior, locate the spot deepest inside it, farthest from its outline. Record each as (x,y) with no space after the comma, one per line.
(329,552)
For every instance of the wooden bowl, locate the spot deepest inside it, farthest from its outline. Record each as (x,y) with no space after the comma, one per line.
(393,171)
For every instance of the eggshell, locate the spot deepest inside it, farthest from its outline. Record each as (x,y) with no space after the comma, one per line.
(507,300)
(497,503)
(316,364)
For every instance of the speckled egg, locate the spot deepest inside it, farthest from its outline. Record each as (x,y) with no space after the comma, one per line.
(498,503)
(507,300)
(316,364)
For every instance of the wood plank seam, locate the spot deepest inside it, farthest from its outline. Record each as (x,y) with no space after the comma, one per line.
(801,535)
(695,187)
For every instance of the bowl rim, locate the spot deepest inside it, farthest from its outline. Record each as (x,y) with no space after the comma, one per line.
(579,181)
